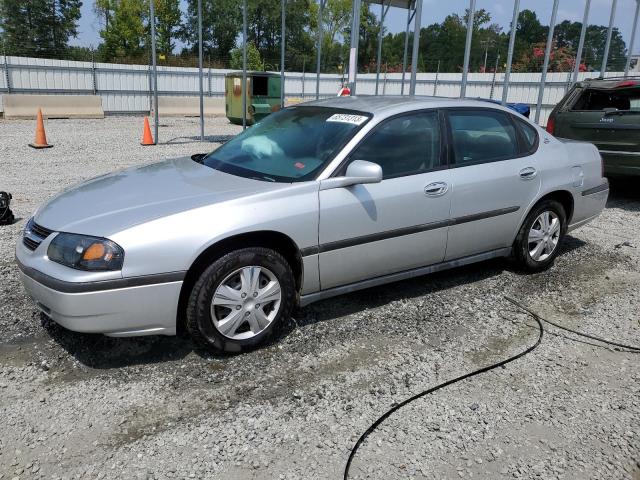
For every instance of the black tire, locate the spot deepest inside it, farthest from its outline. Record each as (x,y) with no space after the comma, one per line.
(521,252)
(199,322)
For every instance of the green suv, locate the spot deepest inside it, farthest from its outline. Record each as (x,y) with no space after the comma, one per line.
(605,112)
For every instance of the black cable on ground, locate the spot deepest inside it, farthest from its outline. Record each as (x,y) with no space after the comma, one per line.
(397,407)
(566,329)
(536,317)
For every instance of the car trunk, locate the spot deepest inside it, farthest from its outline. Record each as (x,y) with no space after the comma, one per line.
(608,118)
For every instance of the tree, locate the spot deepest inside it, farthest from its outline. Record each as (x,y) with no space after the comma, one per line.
(168,23)
(254,61)
(40,28)
(125,37)
(567,34)
(221,23)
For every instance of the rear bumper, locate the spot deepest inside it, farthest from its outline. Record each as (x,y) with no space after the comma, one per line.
(131,311)
(589,205)
(621,163)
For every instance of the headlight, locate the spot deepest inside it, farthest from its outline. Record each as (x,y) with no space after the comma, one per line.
(85,253)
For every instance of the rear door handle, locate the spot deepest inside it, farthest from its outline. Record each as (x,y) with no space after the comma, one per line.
(528,173)
(436,189)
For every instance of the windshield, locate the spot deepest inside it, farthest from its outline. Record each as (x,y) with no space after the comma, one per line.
(292,145)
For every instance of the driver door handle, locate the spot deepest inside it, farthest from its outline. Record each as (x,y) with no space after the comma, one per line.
(436,189)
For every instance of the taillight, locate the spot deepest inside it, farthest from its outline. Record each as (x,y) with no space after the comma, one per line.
(551,124)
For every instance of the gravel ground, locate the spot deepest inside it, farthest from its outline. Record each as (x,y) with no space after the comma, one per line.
(87,406)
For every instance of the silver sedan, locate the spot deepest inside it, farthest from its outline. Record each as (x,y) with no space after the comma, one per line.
(316,200)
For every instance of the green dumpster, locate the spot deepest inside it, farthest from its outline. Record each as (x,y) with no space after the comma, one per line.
(263,96)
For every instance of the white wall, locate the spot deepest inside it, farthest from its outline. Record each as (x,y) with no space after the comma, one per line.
(125,88)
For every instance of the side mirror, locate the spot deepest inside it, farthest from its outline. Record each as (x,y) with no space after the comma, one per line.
(358,172)
(198,157)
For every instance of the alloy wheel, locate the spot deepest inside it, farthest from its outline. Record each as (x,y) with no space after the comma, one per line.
(246,302)
(544,236)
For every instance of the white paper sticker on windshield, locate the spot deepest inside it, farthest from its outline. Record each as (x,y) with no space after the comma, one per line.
(346,118)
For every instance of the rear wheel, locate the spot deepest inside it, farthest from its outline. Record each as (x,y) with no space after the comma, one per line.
(241,300)
(539,239)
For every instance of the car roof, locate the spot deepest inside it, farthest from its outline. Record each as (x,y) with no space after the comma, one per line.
(612,82)
(389,104)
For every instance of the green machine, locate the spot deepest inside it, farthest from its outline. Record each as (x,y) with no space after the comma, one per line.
(263,96)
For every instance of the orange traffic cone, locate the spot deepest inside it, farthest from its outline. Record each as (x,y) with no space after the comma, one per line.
(41,138)
(147,138)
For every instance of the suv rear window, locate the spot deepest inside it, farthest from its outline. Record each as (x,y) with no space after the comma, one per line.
(597,100)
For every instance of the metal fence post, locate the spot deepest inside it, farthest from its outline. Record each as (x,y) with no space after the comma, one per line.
(200,75)
(547,53)
(415,47)
(353,46)
(383,14)
(93,71)
(512,42)
(603,69)
(6,73)
(583,32)
(435,82)
(319,47)
(633,39)
(467,48)
(244,64)
(493,80)
(155,69)
(282,46)
(406,47)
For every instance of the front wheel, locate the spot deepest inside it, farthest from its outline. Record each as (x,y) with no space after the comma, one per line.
(241,300)
(539,239)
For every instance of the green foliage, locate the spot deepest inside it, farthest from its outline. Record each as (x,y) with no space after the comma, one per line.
(221,24)
(168,24)
(254,60)
(39,28)
(125,36)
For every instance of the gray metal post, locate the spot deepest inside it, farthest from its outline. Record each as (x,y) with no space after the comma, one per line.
(612,17)
(93,70)
(383,13)
(467,48)
(435,83)
(282,44)
(512,42)
(583,32)
(319,47)
(415,47)
(209,79)
(244,64)
(353,46)
(406,48)
(152,14)
(200,76)
(493,80)
(547,53)
(304,62)
(6,69)
(633,39)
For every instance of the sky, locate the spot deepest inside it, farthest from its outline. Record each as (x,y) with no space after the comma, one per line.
(434,11)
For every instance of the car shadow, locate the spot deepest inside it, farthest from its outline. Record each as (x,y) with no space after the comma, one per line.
(207,138)
(625,194)
(413,288)
(101,352)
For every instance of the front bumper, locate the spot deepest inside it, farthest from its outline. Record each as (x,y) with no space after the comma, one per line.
(123,307)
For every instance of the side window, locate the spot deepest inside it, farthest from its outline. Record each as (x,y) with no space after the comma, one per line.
(404,145)
(529,136)
(481,136)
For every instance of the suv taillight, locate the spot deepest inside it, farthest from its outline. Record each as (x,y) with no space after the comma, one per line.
(551,124)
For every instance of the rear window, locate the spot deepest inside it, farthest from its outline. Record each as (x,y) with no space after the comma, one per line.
(482,136)
(597,100)
(529,136)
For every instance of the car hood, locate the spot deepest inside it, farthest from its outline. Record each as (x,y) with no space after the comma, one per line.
(119,200)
